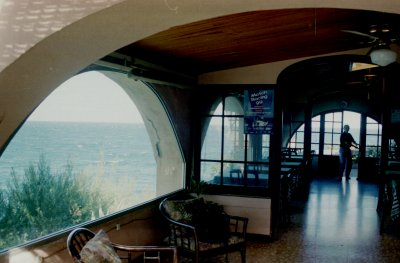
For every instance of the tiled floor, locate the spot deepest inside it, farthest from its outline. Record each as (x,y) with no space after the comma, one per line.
(338,223)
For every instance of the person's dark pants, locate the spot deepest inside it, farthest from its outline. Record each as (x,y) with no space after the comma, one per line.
(346,161)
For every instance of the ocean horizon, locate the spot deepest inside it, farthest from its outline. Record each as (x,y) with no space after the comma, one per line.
(119,153)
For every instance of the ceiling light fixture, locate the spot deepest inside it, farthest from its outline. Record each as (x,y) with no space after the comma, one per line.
(383,56)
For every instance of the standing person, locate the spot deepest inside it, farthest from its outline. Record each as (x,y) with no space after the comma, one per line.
(345,156)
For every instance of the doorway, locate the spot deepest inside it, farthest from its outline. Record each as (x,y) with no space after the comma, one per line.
(325,142)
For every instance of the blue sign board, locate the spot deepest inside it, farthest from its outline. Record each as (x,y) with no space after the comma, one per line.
(258,111)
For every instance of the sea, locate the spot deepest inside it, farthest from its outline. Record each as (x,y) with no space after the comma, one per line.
(120,154)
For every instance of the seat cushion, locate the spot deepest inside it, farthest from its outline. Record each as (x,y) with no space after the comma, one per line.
(99,250)
(181,210)
(207,217)
(211,222)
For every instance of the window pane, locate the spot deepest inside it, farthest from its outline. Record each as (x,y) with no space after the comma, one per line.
(355,153)
(372,128)
(371,140)
(315,127)
(392,145)
(328,138)
(356,135)
(265,147)
(337,127)
(315,148)
(218,110)
(329,117)
(258,147)
(233,174)
(335,149)
(370,120)
(315,124)
(336,138)
(372,151)
(211,149)
(233,106)
(328,127)
(327,150)
(315,137)
(300,137)
(211,172)
(257,175)
(299,148)
(297,140)
(233,139)
(337,116)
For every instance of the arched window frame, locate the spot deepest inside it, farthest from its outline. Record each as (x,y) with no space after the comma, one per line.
(325,138)
(253,150)
(170,167)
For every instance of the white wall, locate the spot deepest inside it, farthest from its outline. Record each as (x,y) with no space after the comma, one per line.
(258,210)
(259,74)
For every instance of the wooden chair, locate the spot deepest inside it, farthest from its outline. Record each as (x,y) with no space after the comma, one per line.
(80,236)
(186,238)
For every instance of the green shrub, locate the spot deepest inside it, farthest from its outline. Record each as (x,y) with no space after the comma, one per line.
(41,202)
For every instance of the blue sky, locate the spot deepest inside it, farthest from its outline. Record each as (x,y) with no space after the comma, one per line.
(88,97)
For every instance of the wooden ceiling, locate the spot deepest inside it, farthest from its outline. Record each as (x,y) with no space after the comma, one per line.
(257,37)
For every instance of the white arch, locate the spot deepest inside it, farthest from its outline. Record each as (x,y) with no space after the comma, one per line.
(166,148)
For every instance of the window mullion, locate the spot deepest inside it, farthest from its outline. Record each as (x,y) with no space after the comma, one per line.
(222,143)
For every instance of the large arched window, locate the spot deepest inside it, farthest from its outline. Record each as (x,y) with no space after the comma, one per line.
(91,149)
(327,127)
(228,156)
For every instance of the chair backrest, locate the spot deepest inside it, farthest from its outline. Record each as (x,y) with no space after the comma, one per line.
(161,208)
(77,240)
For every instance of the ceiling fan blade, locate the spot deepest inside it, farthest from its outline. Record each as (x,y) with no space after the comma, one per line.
(373,38)
(395,40)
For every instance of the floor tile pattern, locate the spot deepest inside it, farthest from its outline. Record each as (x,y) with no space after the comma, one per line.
(337,223)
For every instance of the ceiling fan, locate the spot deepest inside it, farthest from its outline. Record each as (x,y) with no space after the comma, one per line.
(380,37)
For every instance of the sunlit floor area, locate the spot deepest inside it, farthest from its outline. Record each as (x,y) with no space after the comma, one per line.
(338,223)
